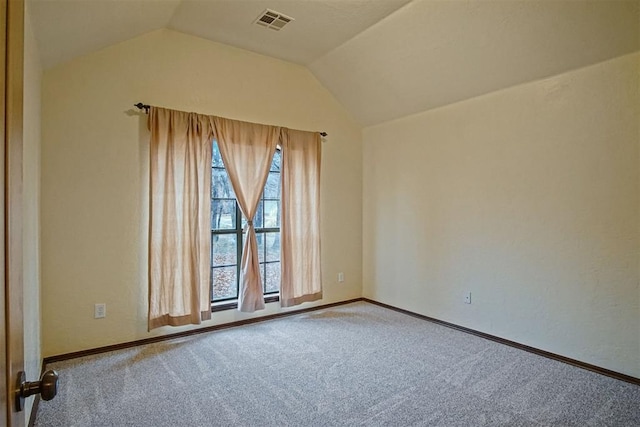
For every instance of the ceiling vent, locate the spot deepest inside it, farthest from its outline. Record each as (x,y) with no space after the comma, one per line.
(273,20)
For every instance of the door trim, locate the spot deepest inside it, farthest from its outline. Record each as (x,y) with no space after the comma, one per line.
(4,401)
(13,273)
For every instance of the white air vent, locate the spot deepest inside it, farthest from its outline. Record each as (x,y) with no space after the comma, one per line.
(273,20)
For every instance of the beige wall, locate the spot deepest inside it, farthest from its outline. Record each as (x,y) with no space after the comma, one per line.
(95,173)
(527,197)
(31,207)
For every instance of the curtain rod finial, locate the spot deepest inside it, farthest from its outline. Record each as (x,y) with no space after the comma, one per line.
(140,106)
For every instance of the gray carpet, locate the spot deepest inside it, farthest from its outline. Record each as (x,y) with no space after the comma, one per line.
(357,364)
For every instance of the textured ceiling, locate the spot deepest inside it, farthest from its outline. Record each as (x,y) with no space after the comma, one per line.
(69,28)
(66,29)
(319,26)
(433,53)
(382,59)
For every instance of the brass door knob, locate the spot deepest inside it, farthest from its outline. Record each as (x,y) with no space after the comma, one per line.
(47,387)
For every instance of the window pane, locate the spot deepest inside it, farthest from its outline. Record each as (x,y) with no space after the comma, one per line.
(272,187)
(272,277)
(271,214)
(224,282)
(277,160)
(224,249)
(260,238)
(272,246)
(258,220)
(221,185)
(216,158)
(223,214)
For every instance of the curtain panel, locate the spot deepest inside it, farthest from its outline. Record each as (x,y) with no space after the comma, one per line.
(180,212)
(300,228)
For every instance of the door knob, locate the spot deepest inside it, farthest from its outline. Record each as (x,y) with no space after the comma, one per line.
(47,387)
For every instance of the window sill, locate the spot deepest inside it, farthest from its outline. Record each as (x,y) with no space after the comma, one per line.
(233,305)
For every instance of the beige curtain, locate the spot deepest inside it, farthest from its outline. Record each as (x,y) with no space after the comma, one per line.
(179,230)
(300,223)
(247,150)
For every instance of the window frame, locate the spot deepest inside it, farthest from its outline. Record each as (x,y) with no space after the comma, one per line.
(238,231)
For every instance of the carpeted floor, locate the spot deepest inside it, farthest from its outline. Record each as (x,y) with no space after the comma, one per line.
(357,364)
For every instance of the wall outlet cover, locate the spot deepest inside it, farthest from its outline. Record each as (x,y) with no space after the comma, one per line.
(100,311)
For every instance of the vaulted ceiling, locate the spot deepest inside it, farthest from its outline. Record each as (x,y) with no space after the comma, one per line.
(382,59)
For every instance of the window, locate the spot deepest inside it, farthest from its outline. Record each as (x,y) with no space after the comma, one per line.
(227,237)
(180,155)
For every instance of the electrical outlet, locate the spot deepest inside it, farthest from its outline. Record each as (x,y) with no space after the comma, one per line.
(340,277)
(100,311)
(467,298)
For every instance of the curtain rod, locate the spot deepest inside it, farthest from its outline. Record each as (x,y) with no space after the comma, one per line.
(146,107)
